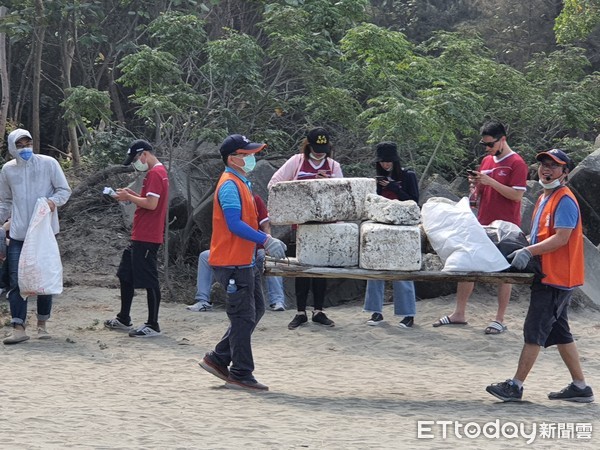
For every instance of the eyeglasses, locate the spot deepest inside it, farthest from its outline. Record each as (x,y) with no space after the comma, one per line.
(551,166)
(489,144)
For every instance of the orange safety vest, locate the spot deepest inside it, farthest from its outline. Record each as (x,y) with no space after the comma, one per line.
(565,266)
(226,248)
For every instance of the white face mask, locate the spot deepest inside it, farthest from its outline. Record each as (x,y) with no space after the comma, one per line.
(140,166)
(552,185)
(318,158)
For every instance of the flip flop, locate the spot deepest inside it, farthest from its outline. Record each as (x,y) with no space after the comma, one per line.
(495,327)
(446,321)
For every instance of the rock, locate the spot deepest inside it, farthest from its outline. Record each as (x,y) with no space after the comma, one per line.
(585,183)
(429,289)
(591,288)
(390,247)
(327,244)
(383,210)
(437,187)
(328,200)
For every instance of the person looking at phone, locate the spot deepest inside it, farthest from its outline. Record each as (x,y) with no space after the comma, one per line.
(395,183)
(313,162)
(500,181)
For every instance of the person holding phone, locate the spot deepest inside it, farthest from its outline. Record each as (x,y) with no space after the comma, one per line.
(313,162)
(395,183)
(500,182)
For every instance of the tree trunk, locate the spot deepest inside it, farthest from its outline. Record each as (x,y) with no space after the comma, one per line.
(5,84)
(39,31)
(67,51)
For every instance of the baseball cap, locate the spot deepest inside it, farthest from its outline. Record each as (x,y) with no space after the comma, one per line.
(557,155)
(135,148)
(239,143)
(319,140)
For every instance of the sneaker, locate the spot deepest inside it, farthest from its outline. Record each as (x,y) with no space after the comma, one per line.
(573,394)
(507,391)
(212,367)
(277,306)
(322,319)
(16,337)
(116,324)
(407,322)
(144,331)
(248,385)
(42,333)
(200,307)
(376,319)
(298,320)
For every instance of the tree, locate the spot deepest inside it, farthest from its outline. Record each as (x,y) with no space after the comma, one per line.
(577,20)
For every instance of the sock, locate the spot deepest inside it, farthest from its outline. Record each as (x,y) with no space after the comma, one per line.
(580,384)
(518,383)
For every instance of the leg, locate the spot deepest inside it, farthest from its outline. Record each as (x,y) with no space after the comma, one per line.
(504,291)
(319,286)
(529,354)
(405,301)
(241,310)
(204,279)
(18,305)
(570,356)
(275,289)
(463,292)
(153,297)
(302,288)
(374,296)
(125,275)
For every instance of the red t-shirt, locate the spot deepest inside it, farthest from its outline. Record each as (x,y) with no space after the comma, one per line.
(149,225)
(510,171)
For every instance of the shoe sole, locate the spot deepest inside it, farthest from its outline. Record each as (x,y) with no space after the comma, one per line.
(374,324)
(212,370)
(44,337)
(401,325)
(575,399)
(504,399)
(244,387)
(325,324)
(15,341)
(145,335)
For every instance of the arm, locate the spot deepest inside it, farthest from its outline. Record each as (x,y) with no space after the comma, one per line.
(407,189)
(554,242)
(287,172)
(150,202)
(506,191)
(229,199)
(336,169)
(62,190)
(5,198)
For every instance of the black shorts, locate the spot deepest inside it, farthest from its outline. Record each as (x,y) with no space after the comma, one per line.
(547,323)
(139,265)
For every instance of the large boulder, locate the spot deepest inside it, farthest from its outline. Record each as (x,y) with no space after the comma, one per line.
(585,183)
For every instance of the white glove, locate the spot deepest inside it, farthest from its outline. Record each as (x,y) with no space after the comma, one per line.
(519,258)
(274,247)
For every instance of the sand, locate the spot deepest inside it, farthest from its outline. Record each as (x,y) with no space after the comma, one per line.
(347,387)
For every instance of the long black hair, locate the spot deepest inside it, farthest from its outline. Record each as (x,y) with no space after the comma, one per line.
(396,172)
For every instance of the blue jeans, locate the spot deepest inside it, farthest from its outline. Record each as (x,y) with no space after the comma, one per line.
(18,304)
(205,279)
(405,302)
(245,307)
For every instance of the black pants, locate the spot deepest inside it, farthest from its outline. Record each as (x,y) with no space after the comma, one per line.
(303,285)
(138,269)
(245,307)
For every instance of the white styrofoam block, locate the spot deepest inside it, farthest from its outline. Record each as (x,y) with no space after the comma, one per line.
(384,210)
(322,200)
(390,247)
(327,244)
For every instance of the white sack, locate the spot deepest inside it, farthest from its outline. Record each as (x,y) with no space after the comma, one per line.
(459,239)
(40,268)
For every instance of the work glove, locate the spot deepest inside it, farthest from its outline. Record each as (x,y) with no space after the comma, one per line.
(519,258)
(274,247)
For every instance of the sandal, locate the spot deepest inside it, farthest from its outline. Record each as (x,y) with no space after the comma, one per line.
(495,327)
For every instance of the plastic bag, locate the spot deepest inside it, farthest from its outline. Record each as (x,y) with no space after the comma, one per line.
(40,267)
(459,239)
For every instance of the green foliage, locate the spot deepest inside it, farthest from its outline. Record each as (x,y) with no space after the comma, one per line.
(182,35)
(577,20)
(106,148)
(85,105)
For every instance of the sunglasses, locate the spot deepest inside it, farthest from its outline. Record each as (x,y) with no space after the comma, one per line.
(489,144)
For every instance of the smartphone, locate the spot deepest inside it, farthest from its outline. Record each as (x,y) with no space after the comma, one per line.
(471,172)
(380,178)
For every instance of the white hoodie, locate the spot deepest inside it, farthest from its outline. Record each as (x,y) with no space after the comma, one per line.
(23,182)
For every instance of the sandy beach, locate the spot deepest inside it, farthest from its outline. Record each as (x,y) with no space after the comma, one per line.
(347,387)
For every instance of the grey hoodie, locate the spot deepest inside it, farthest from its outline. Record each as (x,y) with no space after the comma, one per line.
(23,182)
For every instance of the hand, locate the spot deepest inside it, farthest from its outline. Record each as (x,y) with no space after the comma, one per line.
(383,183)
(122,195)
(519,258)
(274,247)
(51,204)
(323,174)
